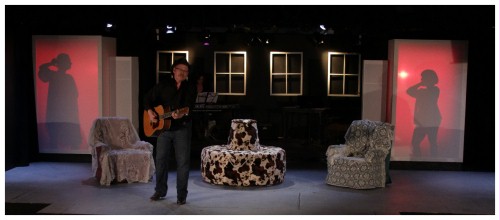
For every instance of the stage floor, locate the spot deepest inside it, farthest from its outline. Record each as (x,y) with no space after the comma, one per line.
(68,188)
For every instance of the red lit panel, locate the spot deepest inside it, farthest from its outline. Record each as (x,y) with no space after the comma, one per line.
(428,102)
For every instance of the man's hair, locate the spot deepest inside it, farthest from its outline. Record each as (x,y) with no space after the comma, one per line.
(180,61)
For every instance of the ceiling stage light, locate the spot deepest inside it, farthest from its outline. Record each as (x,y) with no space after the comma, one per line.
(109,27)
(206,38)
(169,29)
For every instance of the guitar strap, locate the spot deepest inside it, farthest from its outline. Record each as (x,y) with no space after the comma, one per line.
(183,93)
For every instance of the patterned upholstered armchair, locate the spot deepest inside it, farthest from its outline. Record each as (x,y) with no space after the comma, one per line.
(362,162)
(117,152)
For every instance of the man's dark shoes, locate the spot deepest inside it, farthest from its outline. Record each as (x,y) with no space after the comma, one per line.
(157,196)
(181,201)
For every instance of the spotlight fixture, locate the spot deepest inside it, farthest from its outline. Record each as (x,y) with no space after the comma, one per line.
(319,39)
(254,40)
(109,27)
(206,38)
(169,29)
(258,40)
(324,30)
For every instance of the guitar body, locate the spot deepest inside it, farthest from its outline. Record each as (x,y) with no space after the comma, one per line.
(152,129)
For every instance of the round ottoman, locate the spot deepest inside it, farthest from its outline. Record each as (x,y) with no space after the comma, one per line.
(243,161)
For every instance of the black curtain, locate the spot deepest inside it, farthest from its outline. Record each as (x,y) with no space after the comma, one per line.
(21,141)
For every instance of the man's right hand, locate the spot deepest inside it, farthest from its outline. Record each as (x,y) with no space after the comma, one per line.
(153,117)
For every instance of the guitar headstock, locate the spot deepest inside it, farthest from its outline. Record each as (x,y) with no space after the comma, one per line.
(182,111)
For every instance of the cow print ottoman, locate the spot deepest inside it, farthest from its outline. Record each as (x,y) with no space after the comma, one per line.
(243,162)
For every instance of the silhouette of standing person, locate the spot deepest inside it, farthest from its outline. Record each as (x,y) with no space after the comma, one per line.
(62,122)
(427,116)
(199,83)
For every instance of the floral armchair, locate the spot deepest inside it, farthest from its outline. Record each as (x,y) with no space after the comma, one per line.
(362,162)
(117,152)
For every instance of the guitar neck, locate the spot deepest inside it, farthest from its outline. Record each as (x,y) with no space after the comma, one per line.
(183,111)
(166,115)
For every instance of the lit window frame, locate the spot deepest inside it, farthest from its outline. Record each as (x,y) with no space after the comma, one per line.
(172,59)
(343,74)
(230,73)
(286,73)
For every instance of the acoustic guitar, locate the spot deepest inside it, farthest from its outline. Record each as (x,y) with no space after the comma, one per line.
(152,129)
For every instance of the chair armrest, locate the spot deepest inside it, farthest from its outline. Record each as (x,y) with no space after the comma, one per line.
(336,150)
(375,155)
(143,145)
(101,145)
(97,148)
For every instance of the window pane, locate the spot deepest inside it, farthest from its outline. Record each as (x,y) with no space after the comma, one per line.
(352,64)
(237,63)
(163,76)
(337,64)
(179,55)
(222,83)
(222,63)
(351,85)
(336,85)
(294,84)
(164,61)
(237,83)
(278,84)
(294,63)
(279,63)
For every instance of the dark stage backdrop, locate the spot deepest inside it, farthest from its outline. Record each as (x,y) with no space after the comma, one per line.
(138,38)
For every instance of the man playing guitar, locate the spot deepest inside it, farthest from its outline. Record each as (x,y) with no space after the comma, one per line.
(178,94)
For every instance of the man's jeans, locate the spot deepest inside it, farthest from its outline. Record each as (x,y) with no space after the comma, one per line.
(180,141)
